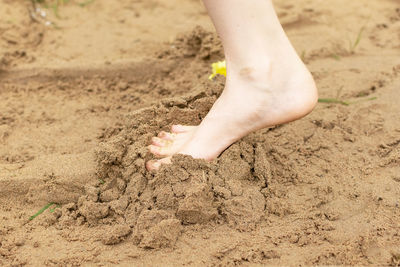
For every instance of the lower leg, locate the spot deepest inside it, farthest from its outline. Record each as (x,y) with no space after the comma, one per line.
(267,84)
(251,34)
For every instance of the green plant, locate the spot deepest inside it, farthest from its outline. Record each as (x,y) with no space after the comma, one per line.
(44,209)
(353,44)
(335,56)
(51,4)
(333,100)
(303,55)
(345,103)
(85,3)
(55,4)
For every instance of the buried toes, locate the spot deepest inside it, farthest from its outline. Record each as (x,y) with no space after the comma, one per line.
(166,135)
(157,150)
(153,165)
(160,142)
(162,151)
(166,144)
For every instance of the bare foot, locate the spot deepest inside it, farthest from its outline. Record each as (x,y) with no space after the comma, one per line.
(267,83)
(167,144)
(252,99)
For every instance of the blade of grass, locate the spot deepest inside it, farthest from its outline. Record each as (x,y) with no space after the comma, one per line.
(55,9)
(56,207)
(353,45)
(345,103)
(87,2)
(339,91)
(41,211)
(333,100)
(364,100)
(335,56)
(303,55)
(358,37)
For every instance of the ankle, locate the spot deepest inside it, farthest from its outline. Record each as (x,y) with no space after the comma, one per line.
(270,82)
(249,70)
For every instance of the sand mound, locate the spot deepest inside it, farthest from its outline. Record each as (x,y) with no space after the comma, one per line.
(152,208)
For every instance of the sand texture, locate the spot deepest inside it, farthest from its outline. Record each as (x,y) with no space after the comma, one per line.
(79,103)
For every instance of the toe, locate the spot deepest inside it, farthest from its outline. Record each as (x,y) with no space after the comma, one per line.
(166,136)
(181,128)
(160,142)
(166,160)
(160,151)
(156,150)
(153,165)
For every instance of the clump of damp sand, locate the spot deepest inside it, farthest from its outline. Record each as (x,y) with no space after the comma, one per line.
(153,209)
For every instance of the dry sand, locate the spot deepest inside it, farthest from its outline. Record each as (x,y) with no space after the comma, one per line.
(80,102)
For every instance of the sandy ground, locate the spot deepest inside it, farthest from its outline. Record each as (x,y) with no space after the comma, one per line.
(80,101)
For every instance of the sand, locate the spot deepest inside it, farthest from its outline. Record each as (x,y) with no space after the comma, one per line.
(80,101)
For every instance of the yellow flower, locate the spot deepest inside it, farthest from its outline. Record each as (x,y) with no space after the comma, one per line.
(218,68)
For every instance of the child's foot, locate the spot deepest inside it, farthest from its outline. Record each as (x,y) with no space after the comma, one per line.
(252,100)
